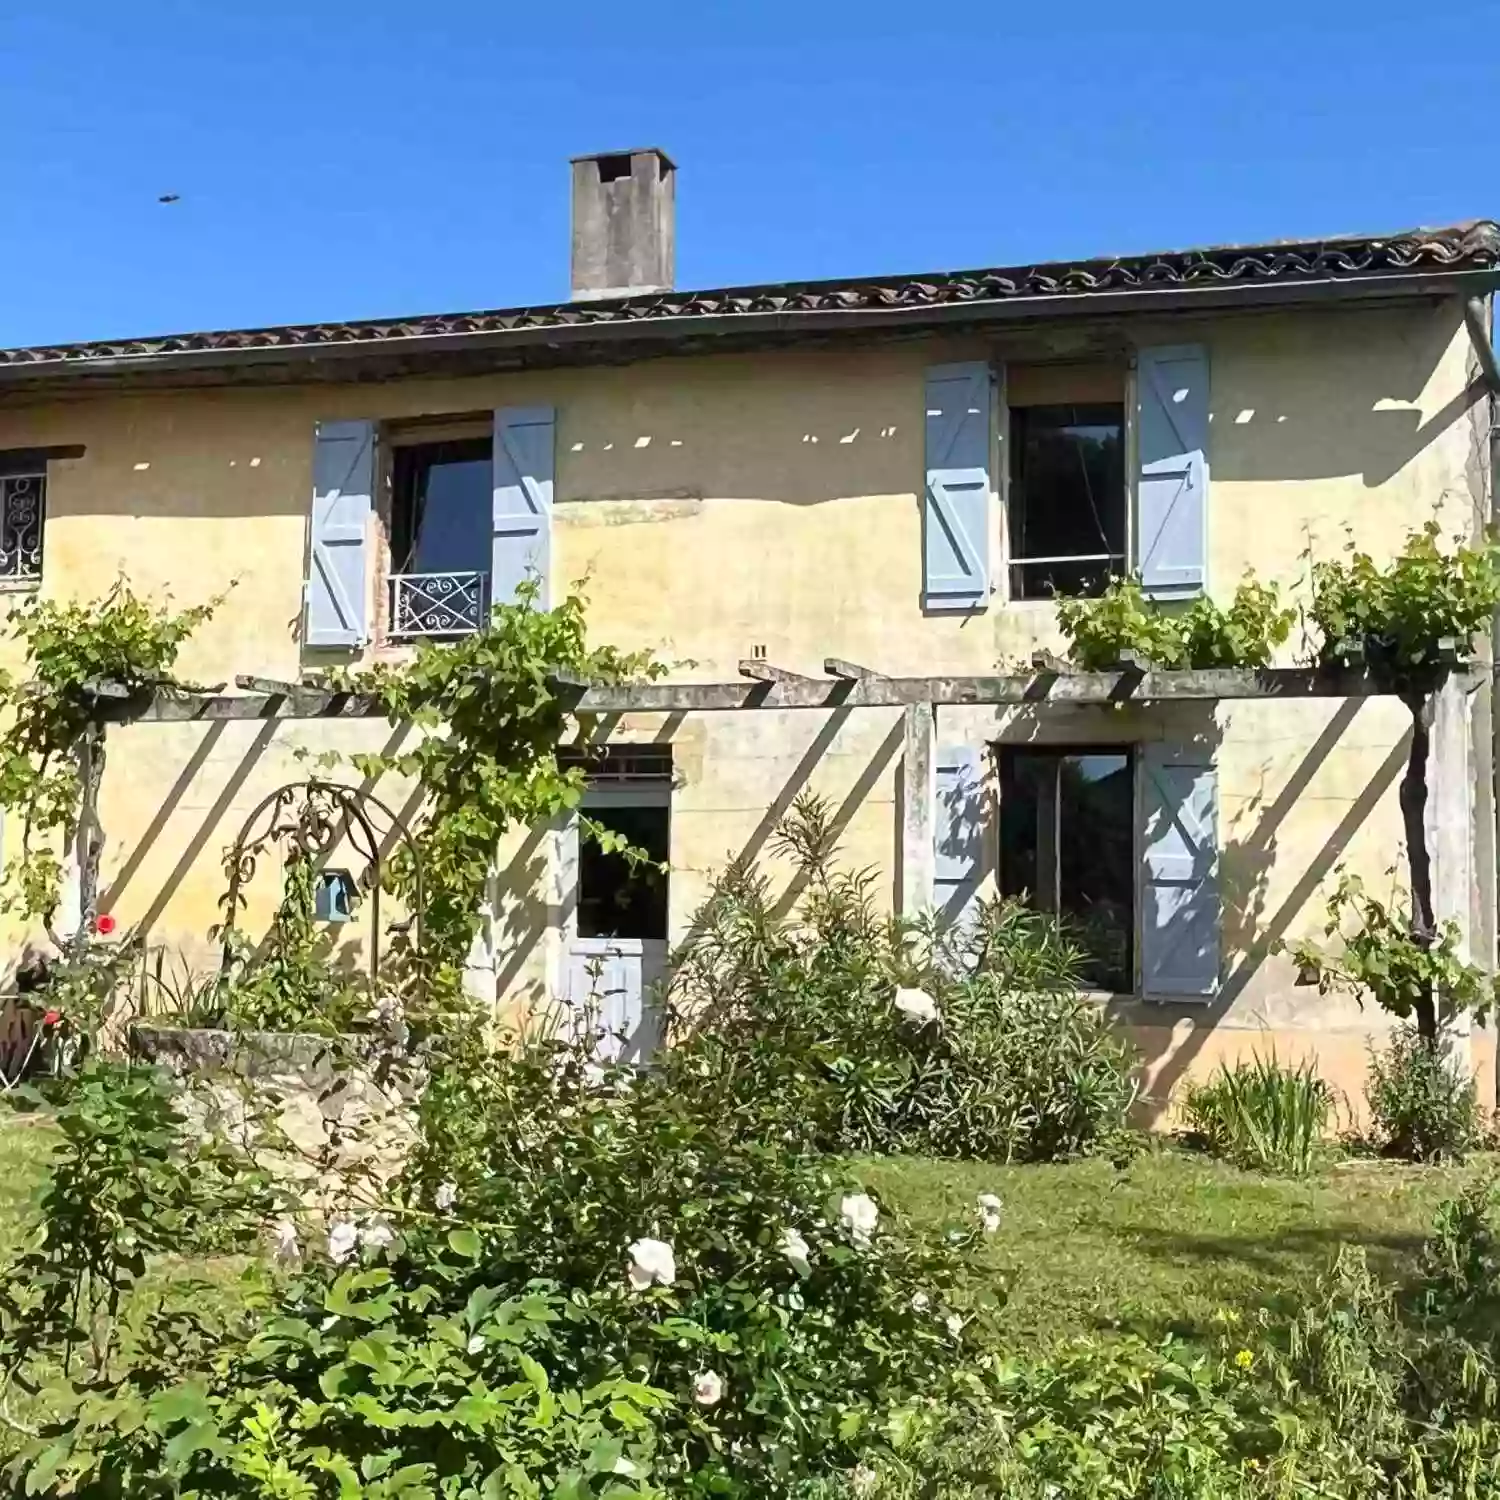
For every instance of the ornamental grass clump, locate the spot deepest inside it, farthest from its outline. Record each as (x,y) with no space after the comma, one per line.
(1262,1114)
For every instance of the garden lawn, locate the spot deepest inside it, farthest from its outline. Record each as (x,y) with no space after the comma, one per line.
(1160,1246)
(1164,1244)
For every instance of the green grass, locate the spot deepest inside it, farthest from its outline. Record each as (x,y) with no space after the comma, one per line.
(1174,1238)
(26,1141)
(1158,1247)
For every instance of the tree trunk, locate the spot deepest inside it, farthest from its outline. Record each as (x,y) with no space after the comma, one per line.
(88,836)
(1418,860)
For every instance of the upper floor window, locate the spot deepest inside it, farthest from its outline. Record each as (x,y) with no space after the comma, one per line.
(441,536)
(23,508)
(1066,504)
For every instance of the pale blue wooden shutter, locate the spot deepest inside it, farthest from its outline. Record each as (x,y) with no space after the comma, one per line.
(1180,889)
(956,508)
(524,459)
(1172,479)
(957,829)
(343,486)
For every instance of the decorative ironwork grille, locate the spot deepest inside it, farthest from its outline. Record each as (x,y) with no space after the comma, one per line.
(23,506)
(437,603)
(619,765)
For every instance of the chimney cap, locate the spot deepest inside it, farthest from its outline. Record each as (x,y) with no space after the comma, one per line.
(636,151)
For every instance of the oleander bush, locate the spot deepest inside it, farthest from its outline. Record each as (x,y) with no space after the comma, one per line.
(851,1031)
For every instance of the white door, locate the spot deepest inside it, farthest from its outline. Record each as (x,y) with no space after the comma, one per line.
(612,984)
(617,923)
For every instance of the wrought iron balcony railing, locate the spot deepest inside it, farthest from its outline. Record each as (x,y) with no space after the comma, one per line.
(437,603)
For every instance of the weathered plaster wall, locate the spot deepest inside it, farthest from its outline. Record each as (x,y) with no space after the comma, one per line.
(732,502)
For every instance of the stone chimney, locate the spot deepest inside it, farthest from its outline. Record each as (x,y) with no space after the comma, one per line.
(623,223)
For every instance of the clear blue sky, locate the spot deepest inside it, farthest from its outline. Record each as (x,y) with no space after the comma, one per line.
(358,158)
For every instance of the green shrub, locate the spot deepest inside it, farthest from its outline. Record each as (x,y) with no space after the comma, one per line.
(1395,616)
(1460,1280)
(1345,1401)
(1203,635)
(1261,1114)
(852,1032)
(583,1285)
(1423,1102)
(127,1181)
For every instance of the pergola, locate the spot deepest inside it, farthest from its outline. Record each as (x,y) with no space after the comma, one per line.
(1438,693)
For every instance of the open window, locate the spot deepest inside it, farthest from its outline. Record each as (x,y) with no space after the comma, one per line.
(1067,844)
(622,896)
(441,533)
(1066,503)
(629,798)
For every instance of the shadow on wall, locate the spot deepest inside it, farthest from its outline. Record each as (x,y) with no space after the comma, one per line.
(1333,409)
(1246,864)
(199,455)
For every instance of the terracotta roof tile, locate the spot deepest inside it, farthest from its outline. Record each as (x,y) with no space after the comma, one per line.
(1473,246)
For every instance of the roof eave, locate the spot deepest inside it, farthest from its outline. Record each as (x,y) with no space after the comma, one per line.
(666,330)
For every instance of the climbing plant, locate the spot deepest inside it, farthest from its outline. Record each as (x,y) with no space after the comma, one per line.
(1425,981)
(76,655)
(1201,635)
(1401,618)
(1405,621)
(492,708)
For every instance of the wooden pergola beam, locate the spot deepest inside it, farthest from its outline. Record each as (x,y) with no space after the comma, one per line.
(851,671)
(1129,686)
(763,671)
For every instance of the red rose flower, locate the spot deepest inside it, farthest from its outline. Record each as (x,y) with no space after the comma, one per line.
(52,1018)
(104,924)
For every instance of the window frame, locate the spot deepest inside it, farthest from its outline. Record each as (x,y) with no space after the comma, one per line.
(1133,751)
(1126,365)
(405,433)
(25,466)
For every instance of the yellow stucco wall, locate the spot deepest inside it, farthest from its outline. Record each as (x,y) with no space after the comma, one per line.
(721,504)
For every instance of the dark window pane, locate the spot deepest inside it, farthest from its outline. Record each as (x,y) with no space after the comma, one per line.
(1096,861)
(442,517)
(1067,843)
(1066,499)
(616,900)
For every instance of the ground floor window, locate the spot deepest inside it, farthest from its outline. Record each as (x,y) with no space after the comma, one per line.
(620,897)
(1067,844)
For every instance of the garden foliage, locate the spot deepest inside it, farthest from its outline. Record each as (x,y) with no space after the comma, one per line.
(834,1025)
(1262,1114)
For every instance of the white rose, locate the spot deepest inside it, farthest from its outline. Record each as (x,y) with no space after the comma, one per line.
(916,1005)
(921,1302)
(652,1263)
(989,1212)
(955,1325)
(794,1247)
(708,1388)
(284,1241)
(376,1234)
(343,1237)
(445,1197)
(860,1216)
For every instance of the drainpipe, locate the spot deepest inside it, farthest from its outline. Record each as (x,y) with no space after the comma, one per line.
(1476,315)
(1477,318)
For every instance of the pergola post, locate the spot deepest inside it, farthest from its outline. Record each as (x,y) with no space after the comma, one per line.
(916,811)
(1450,812)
